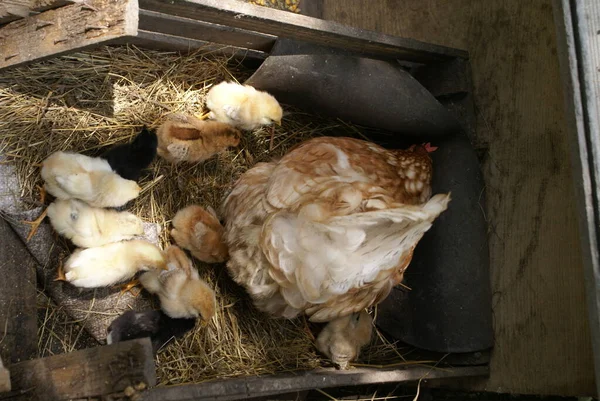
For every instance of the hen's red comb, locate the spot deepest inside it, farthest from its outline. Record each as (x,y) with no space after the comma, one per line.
(429,148)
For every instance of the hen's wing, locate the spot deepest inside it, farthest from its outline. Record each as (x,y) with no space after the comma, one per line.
(317,262)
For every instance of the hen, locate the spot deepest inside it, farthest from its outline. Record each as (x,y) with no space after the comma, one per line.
(330,228)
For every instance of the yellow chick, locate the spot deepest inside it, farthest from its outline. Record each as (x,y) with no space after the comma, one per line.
(187,138)
(342,338)
(181,292)
(92,180)
(242,106)
(88,226)
(199,231)
(110,264)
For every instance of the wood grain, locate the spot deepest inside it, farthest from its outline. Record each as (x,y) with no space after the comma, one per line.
(11,10)
(18,309)
(578,34)
(261,386)
(87,373)
(285,24)
(541,328)
(68,28)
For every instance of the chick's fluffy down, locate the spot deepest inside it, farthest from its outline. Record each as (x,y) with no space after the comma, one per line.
(184,138)
(112,263)
(181,292)
(92,180)
(199,231)
(242,106)
(88,226)
(342,338)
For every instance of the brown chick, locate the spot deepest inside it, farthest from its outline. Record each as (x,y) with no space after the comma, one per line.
(181,291)
(342,339)
(199,231)
(184,138)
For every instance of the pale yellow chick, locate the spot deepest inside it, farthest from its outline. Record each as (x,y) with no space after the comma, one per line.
(88,226)
(90,179)
(342,338)
(199,231)
(184,138)
(242,106)
(181,292)
(112,263)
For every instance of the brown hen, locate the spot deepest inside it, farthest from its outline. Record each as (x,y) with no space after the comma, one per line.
(330,228)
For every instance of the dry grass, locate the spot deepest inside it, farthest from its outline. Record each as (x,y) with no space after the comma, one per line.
(85,101)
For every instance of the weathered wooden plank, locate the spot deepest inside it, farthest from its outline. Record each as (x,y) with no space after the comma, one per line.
(161,41)
(577,31)
(312,8)
(4,378)
(285,24)
(18,309)
(259,386)
(11,10)
(189,28)
(66,29)
(88,373)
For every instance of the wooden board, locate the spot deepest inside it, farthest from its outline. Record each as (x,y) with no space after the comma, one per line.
(88,373)
(241,15)
(4,378)
(11,10)
(578,30)
(261,386)
(541,328)
(68,28)
(18,311)
(204,31)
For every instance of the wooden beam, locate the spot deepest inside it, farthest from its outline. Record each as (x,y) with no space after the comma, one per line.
(92,372)
(161,41)
(237,14)
(578,30)
(153,21)
(4,378)
(18,289)
(66,29)
(11,10)
(259,386)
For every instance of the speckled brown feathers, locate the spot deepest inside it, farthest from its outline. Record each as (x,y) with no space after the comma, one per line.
(330,228)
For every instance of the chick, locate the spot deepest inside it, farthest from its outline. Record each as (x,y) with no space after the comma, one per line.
(200,232)
(181,292)
(88,226)
(129,160)
(242,106)
(150,323)
(186,138)
(92,180)
(342,338)
(112,263)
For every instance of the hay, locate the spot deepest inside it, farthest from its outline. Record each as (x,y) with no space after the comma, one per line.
(84,101)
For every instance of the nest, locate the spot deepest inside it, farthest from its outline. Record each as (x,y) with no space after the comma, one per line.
(85,101)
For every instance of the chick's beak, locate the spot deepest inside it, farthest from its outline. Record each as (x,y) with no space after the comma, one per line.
(278,123)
